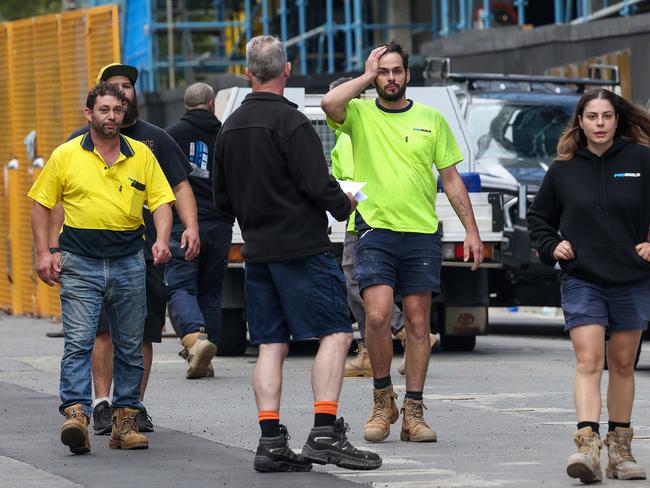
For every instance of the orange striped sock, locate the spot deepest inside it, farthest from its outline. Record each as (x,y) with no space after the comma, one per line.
(324,412)
(269,423)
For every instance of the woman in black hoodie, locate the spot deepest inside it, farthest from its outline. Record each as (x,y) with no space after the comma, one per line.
(591,215)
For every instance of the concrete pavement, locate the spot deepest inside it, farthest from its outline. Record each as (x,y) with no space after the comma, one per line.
(503,414)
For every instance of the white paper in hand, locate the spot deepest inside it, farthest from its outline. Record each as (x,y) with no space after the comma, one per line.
(353,187)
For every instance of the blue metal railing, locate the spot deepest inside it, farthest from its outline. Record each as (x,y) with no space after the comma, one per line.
(316,46)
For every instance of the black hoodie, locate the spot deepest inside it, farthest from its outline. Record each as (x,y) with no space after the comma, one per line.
(600,205)
(196,134)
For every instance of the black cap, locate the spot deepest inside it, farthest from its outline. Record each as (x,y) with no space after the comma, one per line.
(117,69)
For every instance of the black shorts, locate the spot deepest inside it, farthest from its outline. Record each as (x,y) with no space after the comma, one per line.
(156,305)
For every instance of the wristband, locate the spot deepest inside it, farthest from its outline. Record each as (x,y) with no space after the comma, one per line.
(54,250)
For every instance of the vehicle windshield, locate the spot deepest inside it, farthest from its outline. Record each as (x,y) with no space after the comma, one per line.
(517,131)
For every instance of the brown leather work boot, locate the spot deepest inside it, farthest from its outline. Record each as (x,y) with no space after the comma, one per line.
(125,434)
(414,427)
(200,352)
(360,365)
(74,432)
(401,335)
(621,464)
(384,412)
(585,464)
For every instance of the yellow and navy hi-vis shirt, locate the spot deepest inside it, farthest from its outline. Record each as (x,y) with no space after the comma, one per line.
(102,204)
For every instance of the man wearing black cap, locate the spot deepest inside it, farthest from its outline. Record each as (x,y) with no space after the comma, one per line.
(176,168)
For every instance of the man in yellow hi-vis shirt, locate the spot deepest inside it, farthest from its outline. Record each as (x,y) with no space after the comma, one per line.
(103,179)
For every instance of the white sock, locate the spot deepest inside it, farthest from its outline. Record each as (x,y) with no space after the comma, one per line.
(100,400)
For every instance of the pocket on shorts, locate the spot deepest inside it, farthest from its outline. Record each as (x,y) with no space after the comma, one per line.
(328,294)
(575,296)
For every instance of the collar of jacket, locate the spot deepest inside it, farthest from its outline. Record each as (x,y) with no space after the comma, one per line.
(267,97)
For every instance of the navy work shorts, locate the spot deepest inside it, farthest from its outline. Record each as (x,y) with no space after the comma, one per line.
(406,261)
(298,298)
(617,307)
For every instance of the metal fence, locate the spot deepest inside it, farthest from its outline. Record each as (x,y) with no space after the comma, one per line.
(47,65)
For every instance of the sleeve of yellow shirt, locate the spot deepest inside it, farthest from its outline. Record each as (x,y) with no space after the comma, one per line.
(446,150)
(158,190)
(351,114)
(48,187)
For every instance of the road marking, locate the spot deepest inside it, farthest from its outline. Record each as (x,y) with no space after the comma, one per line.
(17,474)
(521,463)
(537,409)
(396,472)
(461,482)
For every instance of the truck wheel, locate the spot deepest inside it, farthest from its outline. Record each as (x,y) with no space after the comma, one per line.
(457,343)
(232,334)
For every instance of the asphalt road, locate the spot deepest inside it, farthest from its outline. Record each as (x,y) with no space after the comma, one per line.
(503,415)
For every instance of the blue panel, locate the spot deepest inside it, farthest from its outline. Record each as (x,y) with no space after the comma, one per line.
(135,38)
(137,49)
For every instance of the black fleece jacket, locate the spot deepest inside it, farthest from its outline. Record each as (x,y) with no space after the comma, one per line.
(600,205)
(270,173)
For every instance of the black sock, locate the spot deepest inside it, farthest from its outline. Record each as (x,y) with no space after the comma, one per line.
(613,425)
(270,428)
(415,395)
(323,419)
(380,383)
(595,426)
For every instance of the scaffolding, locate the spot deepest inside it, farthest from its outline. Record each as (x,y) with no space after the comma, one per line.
(174,41)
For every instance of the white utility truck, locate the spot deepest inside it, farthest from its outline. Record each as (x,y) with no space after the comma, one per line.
(460,313)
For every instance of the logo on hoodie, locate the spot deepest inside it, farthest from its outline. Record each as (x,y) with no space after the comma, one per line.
(627,175)
(199,159)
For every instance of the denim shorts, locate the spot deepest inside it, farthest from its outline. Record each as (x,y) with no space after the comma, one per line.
(298,298)
(406,261)
(617,307)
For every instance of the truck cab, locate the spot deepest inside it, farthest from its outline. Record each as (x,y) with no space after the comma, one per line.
(514,123)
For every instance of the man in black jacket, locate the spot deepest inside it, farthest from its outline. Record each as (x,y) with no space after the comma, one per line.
(270,172)
(194,287)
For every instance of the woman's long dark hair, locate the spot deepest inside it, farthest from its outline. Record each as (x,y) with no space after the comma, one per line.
(633,123)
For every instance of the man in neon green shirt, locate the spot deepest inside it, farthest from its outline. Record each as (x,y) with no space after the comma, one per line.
(395,144)
(343,169)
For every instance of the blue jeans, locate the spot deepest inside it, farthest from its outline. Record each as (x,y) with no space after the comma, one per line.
(194,287)
(85,284)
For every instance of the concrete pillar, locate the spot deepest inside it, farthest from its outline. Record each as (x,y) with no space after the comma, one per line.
(399,12)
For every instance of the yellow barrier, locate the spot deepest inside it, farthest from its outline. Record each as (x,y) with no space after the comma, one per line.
(5,156)
(47,65)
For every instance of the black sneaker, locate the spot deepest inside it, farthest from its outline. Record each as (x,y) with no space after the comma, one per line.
(329,445)
(143,421)
(102,418)
(274,455)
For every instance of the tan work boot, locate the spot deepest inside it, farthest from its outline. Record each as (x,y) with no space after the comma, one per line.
(585,464)
(401,335)
(621,464)
(384,412)
(360,365)
(125,434)
(74,432)
(414,427)
(200,352)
